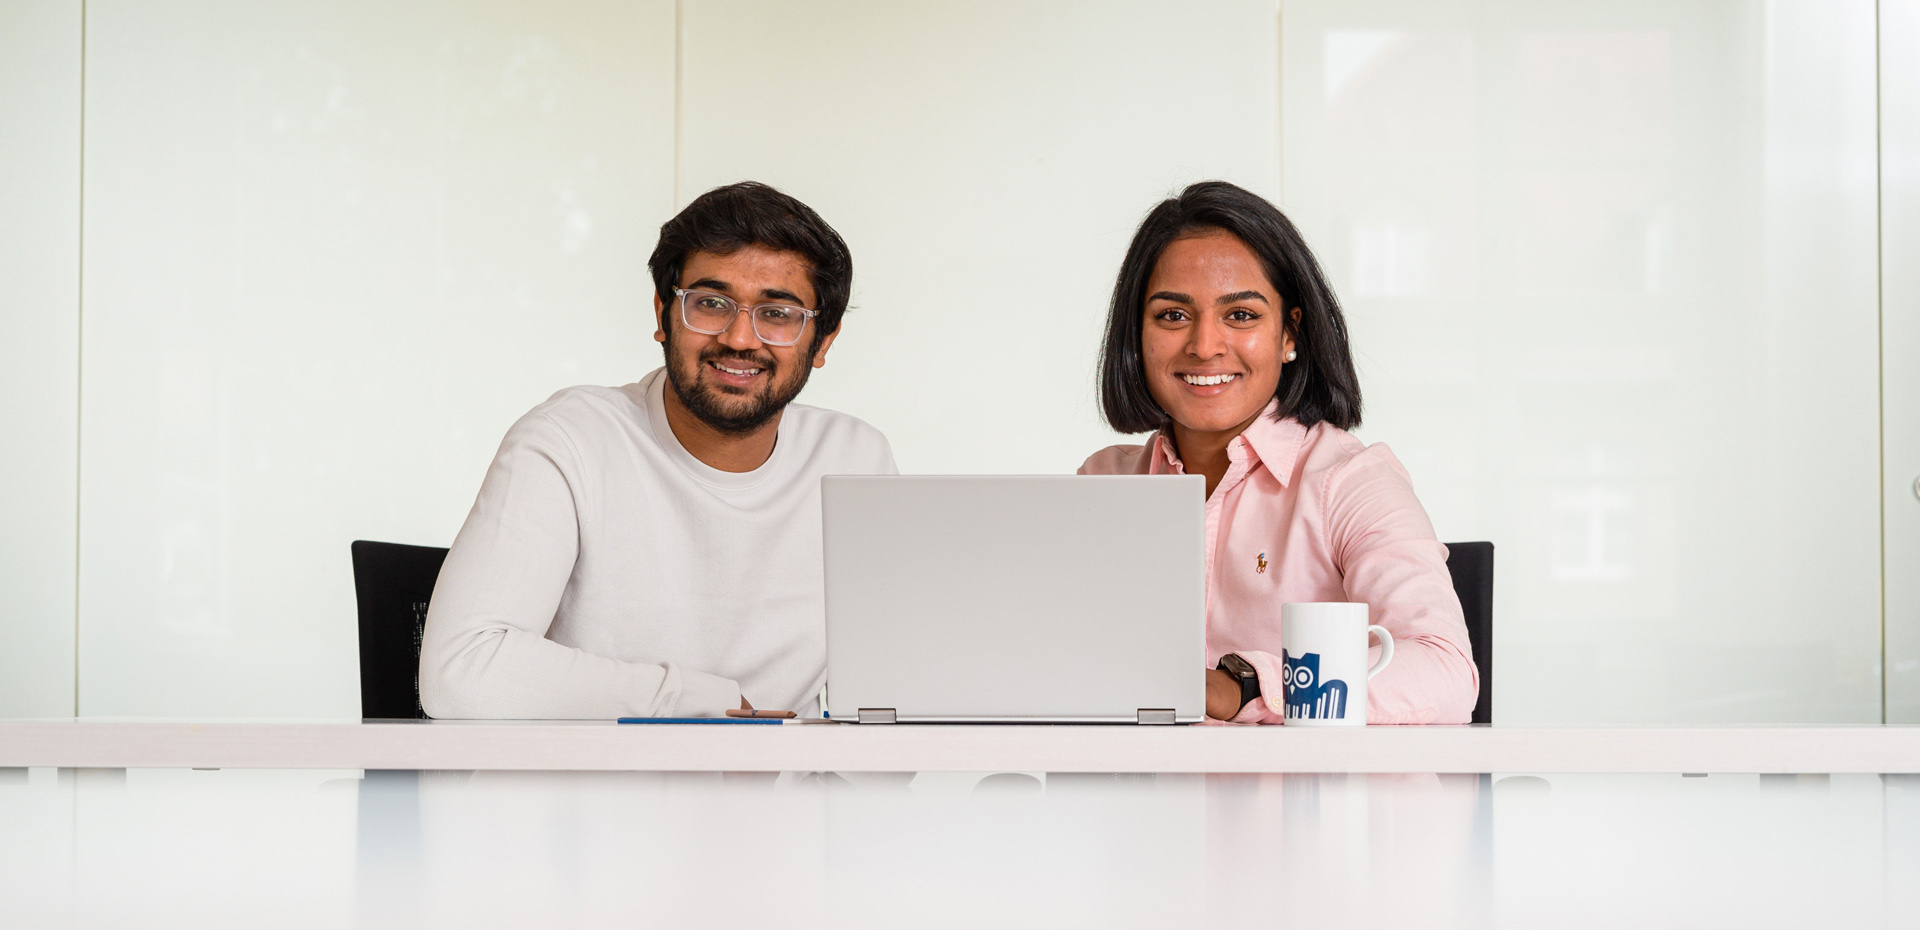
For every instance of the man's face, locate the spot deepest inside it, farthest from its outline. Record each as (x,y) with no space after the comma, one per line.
(732,381)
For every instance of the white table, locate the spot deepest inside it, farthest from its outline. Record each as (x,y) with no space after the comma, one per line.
(595,746)
(298,827)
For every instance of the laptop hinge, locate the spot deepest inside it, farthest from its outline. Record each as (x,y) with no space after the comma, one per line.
(886,715)
(1156,716)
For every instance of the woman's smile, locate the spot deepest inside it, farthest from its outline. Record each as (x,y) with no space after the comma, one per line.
(1209,384)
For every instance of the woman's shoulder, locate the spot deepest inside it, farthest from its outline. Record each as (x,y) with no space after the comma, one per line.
(1361,489)
(1338,455)
(1127,459)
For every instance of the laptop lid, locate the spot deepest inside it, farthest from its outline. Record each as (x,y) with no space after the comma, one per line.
(1016,599)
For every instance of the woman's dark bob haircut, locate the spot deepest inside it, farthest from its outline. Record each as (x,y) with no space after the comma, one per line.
(1318,386)
(727,219)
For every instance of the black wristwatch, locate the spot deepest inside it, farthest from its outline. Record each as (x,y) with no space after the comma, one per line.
(1242,671)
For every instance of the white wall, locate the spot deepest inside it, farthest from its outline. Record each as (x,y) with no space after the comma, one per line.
(1610,266)
(39,351)
(987,163)
(333,250)
(1611,272)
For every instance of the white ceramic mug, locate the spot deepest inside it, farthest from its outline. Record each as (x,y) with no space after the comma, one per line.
(1324,647)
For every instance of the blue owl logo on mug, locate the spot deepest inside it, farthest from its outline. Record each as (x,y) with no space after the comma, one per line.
(1307,695)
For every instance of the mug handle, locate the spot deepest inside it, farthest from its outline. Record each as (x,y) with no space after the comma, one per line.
(1386,649)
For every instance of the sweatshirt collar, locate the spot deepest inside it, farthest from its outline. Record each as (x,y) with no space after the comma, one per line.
(655,385)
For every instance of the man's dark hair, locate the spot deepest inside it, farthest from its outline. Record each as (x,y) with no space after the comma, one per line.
(1319,385)
(727,219)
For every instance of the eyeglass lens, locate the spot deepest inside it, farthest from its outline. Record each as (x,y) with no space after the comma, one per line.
(710,313)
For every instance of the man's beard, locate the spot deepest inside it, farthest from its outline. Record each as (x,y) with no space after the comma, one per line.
(706,403)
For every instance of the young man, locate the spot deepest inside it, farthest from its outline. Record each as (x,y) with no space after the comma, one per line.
(654,549)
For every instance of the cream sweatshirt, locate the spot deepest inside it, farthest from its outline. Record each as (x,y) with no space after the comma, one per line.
(606,572)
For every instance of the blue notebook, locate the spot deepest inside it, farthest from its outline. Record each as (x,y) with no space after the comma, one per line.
(775,720)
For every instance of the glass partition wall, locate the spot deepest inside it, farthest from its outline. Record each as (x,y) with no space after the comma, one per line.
(1900,349)
(1613,271)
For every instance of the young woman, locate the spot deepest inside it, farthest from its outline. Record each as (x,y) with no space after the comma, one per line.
(1224,336)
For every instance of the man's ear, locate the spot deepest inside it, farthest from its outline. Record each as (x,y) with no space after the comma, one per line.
(820,354)
(660,319)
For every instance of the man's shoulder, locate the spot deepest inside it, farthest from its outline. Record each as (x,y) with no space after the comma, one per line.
(837,437)
(588,400)
(579,413)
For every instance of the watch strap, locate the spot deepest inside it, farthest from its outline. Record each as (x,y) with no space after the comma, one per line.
(1243,672)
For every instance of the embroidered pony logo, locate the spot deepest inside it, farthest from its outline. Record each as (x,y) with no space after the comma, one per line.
(1260,564)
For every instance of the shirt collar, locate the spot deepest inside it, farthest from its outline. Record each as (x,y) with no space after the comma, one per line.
(1164,461)
(1274,443)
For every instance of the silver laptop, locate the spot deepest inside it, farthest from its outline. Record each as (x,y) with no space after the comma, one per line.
(1015,599)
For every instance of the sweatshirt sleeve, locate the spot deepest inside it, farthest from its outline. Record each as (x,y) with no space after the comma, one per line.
(485,653)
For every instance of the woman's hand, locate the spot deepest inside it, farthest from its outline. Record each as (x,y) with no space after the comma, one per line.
(1223,695)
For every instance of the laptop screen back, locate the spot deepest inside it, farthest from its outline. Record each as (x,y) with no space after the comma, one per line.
(1007,598)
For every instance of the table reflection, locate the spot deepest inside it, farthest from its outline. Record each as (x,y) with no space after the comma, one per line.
(86,848)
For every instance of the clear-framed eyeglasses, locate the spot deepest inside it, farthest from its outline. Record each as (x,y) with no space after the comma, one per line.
(711,313)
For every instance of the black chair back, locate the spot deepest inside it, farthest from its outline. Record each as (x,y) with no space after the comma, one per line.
(394,584)
(1471,565)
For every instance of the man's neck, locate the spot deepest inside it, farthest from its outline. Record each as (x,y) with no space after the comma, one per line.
(730,452)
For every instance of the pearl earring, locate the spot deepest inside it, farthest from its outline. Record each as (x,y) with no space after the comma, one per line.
(1291,355)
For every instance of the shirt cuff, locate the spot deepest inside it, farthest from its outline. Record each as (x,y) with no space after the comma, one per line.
(1271,705)
(704,695)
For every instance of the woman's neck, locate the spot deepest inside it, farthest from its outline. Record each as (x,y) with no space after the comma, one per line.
(1204,452)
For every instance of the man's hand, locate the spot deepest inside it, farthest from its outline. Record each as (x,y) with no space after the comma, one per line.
(1223,695)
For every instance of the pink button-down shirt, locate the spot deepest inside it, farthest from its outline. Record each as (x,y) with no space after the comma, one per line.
(1316,515)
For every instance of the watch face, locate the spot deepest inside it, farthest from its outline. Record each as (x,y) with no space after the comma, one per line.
(1237,666)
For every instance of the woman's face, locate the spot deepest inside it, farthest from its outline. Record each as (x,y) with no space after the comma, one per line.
(1213,334)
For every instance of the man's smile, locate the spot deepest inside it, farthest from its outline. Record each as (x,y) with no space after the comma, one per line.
(735,373)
